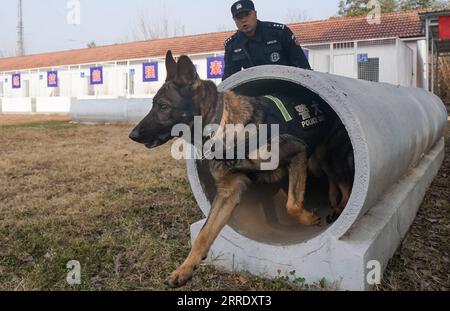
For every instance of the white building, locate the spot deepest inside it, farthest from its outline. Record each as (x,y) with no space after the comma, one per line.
(391,49)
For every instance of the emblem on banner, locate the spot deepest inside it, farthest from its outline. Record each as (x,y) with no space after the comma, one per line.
(150,71)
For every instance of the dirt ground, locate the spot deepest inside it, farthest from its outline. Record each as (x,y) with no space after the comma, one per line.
(87,193)
(16,119)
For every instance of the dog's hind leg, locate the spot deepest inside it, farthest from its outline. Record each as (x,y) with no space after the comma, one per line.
(346,191)
(336,210)
(296,195)
(229,192)
(333,193)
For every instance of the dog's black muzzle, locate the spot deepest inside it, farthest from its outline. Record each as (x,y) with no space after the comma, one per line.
(149,142)
(135,135)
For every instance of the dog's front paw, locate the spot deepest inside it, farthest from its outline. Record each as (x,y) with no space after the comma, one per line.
(179,277)
(308,219)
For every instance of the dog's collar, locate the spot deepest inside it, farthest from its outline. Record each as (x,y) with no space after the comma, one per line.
(216,120)
(218,117)
(220,107)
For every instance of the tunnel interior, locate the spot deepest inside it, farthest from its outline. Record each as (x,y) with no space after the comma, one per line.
(262,214)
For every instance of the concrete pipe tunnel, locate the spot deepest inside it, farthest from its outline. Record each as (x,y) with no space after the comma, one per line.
(393,130)
(262,214)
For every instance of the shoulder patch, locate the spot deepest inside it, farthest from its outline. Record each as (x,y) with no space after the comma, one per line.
(230,39)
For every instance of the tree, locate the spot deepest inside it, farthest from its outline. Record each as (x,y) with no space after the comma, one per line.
(157,25)
(363,7)
(389,6)
(91,45)
(295,16)
(353,7)
(360,7)
(424,4)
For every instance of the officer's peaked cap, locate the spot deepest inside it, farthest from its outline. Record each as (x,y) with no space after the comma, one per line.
(242,6)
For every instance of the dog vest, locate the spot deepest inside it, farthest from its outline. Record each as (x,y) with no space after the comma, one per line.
(307,119)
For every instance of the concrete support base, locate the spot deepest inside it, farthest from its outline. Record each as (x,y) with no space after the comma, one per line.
(341,261)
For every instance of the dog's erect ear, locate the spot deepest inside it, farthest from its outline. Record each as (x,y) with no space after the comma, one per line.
(187,74)
(171,66)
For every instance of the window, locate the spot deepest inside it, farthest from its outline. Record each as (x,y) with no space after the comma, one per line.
(376,42)
(369,70)
(343,45)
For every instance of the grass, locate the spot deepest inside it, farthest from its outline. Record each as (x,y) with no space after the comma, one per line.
(52,124)
(87,193)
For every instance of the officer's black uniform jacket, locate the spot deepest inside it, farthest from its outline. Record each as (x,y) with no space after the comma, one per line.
(272,44)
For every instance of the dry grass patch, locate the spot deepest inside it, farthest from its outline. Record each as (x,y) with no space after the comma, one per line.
(27,118)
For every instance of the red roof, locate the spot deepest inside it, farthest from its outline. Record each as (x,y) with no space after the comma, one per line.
(404,24)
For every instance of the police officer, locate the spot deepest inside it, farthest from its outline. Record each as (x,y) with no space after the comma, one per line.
(260,43)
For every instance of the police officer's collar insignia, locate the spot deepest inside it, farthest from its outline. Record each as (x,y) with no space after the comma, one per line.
(230,39)
(237,50)
(272,42)
(276,25)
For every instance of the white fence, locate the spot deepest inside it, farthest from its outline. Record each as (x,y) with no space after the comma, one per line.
(53,104)
(114,110)
(16,105)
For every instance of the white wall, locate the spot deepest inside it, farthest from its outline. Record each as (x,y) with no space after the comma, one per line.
(344,61)
(320,60)
(388,60)
(405,65)
(17,93)
(53,104)
(19,105)
(146,89)
(421,64)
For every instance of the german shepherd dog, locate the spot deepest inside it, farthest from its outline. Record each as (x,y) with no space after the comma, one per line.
(184,96)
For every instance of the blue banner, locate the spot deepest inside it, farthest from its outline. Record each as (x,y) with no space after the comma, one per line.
(16,81)
(96,75)
(52,79)
(215,67)
(150,72)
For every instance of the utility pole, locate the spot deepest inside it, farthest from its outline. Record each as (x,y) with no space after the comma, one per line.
(20,49)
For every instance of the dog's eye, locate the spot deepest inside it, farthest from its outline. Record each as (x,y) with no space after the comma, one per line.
(164,107)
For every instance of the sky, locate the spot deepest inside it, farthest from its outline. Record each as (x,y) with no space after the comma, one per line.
(54,25)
